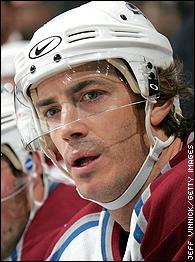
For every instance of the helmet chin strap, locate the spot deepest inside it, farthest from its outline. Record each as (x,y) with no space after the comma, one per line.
(156,148)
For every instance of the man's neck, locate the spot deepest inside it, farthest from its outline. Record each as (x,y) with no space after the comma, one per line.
(123,215)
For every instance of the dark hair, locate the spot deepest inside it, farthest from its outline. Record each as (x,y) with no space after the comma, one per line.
(172,83)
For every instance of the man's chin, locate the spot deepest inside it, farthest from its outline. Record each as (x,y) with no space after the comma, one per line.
(91,195)
(87,194)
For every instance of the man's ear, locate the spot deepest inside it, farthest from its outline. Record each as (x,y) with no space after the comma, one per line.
(37,162)
(160,112)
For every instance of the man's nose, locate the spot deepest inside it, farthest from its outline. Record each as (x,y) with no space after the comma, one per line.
(73,126)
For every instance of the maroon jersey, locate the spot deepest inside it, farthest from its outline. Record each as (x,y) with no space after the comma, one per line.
(162,216)
(62,203)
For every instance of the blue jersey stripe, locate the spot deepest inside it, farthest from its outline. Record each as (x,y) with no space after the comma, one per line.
(138,234)
(103,236)
(138,206)
(14,255)
(56,256)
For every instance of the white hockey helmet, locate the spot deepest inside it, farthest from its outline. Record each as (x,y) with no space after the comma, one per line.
(93,31)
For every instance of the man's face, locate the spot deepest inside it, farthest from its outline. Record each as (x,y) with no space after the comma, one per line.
(14,208)
(95,129)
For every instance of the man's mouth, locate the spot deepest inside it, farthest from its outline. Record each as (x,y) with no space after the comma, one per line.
(82,158)
(83,161)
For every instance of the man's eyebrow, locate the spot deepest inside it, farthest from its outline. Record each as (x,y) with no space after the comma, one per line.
(45,102)
(73,89)
(79,86)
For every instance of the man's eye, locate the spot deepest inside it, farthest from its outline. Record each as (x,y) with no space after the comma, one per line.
(51,112)
(91,96)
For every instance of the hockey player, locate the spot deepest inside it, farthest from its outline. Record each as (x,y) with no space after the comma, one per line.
(103,96)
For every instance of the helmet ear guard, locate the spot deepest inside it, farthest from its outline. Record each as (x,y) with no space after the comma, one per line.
(144,79)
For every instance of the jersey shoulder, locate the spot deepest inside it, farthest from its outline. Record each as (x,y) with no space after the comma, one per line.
(62,204)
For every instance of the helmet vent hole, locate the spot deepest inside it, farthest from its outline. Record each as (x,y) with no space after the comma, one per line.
(32,69)
(149,65)
(57,58)
(123,17)
(82,32)
(82,35)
